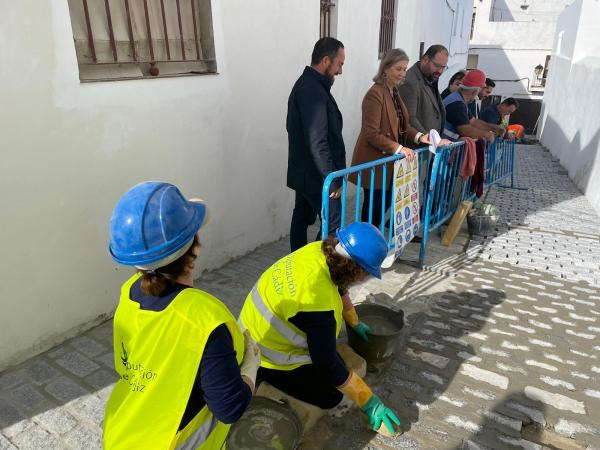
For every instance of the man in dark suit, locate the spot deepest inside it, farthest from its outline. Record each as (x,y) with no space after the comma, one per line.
(315,142)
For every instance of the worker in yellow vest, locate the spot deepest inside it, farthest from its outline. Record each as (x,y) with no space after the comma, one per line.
(295,311)
(186,370)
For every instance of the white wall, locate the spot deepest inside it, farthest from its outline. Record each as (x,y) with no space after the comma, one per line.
(510,50)
(537,10)
(70,150)
(570,125)
(435,22)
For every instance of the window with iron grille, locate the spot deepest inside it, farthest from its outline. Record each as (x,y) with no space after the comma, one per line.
(132,39)
(386,27)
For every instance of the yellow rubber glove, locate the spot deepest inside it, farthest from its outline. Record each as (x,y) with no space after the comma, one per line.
(356,389)
(361,328)
(351,317)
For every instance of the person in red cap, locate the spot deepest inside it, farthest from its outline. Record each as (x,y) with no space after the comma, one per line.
(458,124)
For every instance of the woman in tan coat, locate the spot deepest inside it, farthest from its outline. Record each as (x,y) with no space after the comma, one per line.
(385,131)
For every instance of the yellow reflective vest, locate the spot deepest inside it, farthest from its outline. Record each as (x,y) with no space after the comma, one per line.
(299,282)
(157,355)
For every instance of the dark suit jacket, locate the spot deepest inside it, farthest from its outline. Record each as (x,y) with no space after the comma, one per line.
(380,134)
(425,111)
(314,126)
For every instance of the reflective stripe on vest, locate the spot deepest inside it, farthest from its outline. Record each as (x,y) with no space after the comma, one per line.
(200,435)
(283,359)
(450,134)
(293,337)
(450,131)
(298,282)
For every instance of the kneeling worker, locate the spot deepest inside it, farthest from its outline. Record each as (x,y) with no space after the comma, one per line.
(186,370)
(295,311)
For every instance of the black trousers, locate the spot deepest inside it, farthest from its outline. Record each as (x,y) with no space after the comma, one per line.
(377,201)
(306,209)
(307,383)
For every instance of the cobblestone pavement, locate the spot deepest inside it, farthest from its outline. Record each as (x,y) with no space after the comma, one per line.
(499,330)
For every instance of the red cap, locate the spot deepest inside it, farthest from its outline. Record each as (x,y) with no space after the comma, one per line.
(474,78)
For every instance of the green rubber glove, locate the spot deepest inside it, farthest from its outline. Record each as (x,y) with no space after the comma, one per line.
(377,412)
(362,329)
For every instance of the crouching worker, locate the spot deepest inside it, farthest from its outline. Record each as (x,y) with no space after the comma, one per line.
(186,370)
(295,312)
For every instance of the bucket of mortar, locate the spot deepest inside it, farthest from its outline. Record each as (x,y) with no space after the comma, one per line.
(483,219)
(385,335)
(266,424)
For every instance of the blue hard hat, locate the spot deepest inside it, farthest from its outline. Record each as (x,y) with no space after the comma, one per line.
(151,222)
(365,244)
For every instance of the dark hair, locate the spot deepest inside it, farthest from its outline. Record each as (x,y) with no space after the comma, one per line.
(154,283)
(511,102)
(434,50)
(343,271)
(457,76)
(326,46)
(490,83)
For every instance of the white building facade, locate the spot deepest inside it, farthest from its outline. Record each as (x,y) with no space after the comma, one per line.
(570,121)
(71,149)
(512,44)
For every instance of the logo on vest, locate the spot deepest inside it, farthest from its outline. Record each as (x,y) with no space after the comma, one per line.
(277,277)
(136,374)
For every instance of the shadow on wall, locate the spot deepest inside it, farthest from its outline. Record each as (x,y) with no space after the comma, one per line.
(579,160)
(500,12)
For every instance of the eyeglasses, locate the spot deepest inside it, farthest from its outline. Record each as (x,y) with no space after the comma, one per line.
(439,66)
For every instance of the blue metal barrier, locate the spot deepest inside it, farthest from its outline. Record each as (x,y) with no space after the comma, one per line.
(500,162)
(383,165)
(441,187)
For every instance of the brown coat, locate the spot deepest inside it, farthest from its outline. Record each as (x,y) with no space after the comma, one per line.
(379,134)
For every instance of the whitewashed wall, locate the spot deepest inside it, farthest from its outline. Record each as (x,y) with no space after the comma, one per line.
(510,49)
(435,22)
(70,150)
(570,125)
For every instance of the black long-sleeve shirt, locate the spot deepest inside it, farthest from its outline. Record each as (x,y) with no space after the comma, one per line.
(320,334)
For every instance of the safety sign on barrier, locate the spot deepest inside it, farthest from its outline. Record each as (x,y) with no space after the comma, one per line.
(406,202)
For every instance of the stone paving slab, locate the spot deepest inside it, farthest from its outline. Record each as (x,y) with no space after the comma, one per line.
(500,330)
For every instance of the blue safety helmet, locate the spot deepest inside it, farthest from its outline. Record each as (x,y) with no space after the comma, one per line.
(365,244)
(153,224)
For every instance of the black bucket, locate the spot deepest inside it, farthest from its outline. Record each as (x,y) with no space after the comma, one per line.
(385,335)
(266,424)
(483,219)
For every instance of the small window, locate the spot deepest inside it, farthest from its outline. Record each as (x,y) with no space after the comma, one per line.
(386,27)
(472,61)
(132,39)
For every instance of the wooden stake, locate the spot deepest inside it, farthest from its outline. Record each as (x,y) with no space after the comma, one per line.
(457,220)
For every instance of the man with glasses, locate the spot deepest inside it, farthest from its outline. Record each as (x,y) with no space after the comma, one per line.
(420,90)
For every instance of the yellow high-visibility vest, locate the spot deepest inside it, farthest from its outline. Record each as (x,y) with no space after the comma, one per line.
(157,355)
(299,282)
